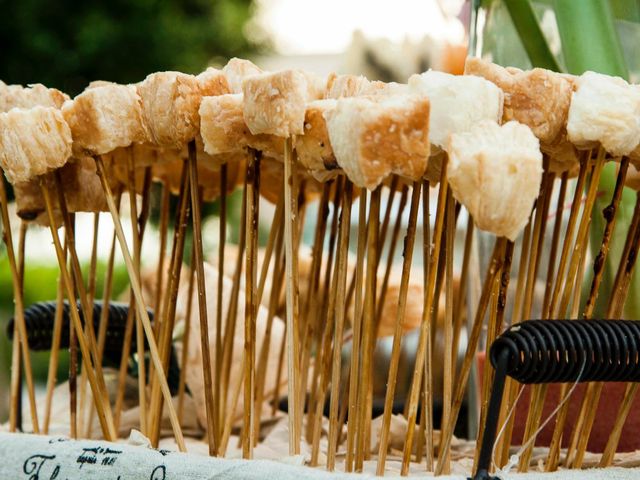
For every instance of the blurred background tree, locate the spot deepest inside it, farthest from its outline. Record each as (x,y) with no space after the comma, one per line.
(67,43)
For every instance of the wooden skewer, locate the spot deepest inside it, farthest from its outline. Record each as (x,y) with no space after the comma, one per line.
(222,242)
(15,412)
(230,324)
(616,304)
(104,316)
(601,258)
(324,331)
(341,279)
(251,307)
(170,298)
(393,242)
(357,328)
(364,416)
(18,307)
(426,320)
(323,358)
(153,348)
(186,336)
(494,269)
(103,410)
(274,300)
(539,393)
(291,295)
(142,393)
(449,357)
(397,334)
(462,290)
(210,404)
(568,238)
(165,204)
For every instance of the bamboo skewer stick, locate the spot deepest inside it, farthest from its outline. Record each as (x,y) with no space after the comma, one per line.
(169,305)
(427,404)
(291,294)
(449,358)
(103,410)
(600,259)
(426,320)
(323,359)
(539,394)
(494,269)
(251,306)
(104,317)
(340,307)
(186,336)
(165,204)
(620,292)
(210,404)
(397,334)
(357,328)
(222,242)
(276,291)
(19,307)
(364,415)
(142,394)
(323,331)
(230,324)
(462,289)
(153,348)
(568,238)
(390,257)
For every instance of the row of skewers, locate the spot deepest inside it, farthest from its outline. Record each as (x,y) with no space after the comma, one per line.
(494,141)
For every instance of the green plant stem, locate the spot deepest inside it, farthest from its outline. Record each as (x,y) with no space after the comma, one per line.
(533,40)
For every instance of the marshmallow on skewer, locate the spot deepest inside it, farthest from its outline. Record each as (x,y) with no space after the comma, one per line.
(236,70)
(33,142)
(314,147)
(604,110)
(17,96)
(340,86)
(104,118)
(373,137)
(537,98)
(495,172)
(170,102)
(458,103)
(275,103)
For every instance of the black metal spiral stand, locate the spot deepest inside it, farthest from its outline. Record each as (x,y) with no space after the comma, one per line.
(558,351)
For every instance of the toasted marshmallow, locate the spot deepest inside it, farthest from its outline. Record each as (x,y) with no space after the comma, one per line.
(223,129)
(314,147)
(275,103)
(604,110)
(340,86)
(633,178)
(236,70)
(17,96)
(213,82)
(372,138)
(457,102)
(32,142)
(495,172)
(104,118)
(170,102)
(537,98)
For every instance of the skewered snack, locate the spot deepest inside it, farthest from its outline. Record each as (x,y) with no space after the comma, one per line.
(33,142)
(274,103)
(537,98)
(313,147)
(17,96)
(495,172)
(604,110)
(372,138)
(223,128)
(170,102)
(339,86)
(457,103)
(236,70)
(104,118)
